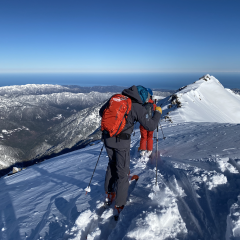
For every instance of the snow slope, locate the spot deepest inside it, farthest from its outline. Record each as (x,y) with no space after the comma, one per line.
(196,196)
(48,200)
(206,100)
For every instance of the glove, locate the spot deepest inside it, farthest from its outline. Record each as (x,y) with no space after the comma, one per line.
(158,109)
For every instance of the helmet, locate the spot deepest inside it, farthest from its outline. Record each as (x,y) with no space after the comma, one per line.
(143,92)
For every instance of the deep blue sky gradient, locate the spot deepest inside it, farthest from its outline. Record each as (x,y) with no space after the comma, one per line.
(119,36)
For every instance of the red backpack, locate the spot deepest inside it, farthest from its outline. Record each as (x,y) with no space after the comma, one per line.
(115,115)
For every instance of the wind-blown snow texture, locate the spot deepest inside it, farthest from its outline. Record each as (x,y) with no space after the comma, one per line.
(196,196)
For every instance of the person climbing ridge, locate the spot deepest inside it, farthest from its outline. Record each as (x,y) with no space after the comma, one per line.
(146,142)
(119,114)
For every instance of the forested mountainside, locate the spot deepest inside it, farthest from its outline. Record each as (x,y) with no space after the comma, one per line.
(29,115)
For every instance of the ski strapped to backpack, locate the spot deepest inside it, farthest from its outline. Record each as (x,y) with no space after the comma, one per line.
(115,115)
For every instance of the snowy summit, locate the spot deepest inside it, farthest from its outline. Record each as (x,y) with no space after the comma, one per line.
(206,100)
(196,195)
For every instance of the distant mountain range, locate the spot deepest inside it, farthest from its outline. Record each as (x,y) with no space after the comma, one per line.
(42,121)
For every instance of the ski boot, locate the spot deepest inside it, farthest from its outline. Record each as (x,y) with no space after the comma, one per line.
(148,154)
(117,211)
(110,197)
(142,153)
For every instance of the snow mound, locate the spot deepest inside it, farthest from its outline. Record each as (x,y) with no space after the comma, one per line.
(224,165)
(161,224)
(206,100)
(233,221)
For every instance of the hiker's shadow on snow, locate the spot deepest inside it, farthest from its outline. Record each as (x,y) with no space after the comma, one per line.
(58,177)
(96,185)
(57,229)
(68,209)
(9,223)
(95,152)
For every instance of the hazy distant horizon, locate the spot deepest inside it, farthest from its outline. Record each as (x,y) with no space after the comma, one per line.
(171,81)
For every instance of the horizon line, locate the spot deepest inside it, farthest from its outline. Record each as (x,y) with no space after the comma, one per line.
(113,72)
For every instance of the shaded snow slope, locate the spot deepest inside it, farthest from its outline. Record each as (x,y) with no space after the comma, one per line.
(198,181)
(206,100)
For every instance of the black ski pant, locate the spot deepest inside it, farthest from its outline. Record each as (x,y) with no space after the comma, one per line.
(116,179)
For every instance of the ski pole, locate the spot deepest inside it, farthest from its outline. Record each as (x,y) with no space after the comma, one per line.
(88,188)
(157,148)
(161,129)
(157,156)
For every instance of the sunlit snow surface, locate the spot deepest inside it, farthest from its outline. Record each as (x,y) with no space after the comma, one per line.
(196,196)
(206,100)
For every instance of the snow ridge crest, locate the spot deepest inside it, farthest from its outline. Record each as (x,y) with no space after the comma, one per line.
(205,100)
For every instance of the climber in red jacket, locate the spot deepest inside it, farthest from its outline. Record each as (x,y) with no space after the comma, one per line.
(146,142)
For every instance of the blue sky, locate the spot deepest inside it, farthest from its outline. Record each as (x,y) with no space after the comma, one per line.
(119,36)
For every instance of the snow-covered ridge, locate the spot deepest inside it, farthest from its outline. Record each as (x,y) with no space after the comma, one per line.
(158,95)
(19,104)
(206,100)
(38,89)
(4,131)
(58,98)
(9,91)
